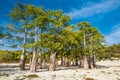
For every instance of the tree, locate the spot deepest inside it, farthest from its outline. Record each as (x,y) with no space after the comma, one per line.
(57,22)
(68,39)
(84,26)
(2,34)
(96,40)
(47,32)
(92,41)
(19,14)
(38,23)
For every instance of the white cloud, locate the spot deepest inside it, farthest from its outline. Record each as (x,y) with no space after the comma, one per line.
(114,36)
(92,8)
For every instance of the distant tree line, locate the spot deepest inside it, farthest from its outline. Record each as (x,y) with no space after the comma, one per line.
(6,56)
(12,56)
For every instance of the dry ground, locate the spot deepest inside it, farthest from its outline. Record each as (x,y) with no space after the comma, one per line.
(106,70)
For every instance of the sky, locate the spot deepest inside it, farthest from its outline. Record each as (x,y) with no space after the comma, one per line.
(103,14)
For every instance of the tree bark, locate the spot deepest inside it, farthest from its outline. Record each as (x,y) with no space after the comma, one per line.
(89,62)
(67,61)
(52,64)
(30,60)
(61,60)
(40,61)
(86,66)
(76,62)
(40,54)
(81,62)
(22,59)
(33,64)
(93,60)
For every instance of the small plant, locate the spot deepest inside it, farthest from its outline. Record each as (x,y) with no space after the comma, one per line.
(84,76)
(20,78)
(53,77)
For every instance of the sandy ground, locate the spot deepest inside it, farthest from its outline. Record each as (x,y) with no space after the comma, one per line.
(106,70)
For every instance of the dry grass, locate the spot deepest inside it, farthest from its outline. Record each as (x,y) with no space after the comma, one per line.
(89,79)
(32,76)
(4,74)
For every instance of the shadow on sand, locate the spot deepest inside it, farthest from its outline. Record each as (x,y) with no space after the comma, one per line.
(12,69)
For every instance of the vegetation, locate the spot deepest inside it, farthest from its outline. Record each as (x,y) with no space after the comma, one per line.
(12,56)
(113,51)
(46,37)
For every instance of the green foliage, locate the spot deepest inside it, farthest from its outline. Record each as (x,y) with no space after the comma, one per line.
(114,51)
(12,56)
(2,34)
(6,56)
(48,30)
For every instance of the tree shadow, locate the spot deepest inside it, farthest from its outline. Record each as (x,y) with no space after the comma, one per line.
(105,67)
(67,68)
(10,69)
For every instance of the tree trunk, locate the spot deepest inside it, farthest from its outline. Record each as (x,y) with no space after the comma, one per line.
(30,60)
(52,64)
(33,64)
(81,62)
(61,60)
(76,62)
(67,61)
(40,61)
(89,62)
(93,60)
(40,54)
(22,59)
(86,66)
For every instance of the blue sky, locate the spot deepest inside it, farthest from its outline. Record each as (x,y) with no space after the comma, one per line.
(103,14)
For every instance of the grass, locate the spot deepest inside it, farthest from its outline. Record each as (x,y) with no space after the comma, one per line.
(20,77)
(53,77)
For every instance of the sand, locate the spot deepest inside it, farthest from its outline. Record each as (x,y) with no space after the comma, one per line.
(106,70)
